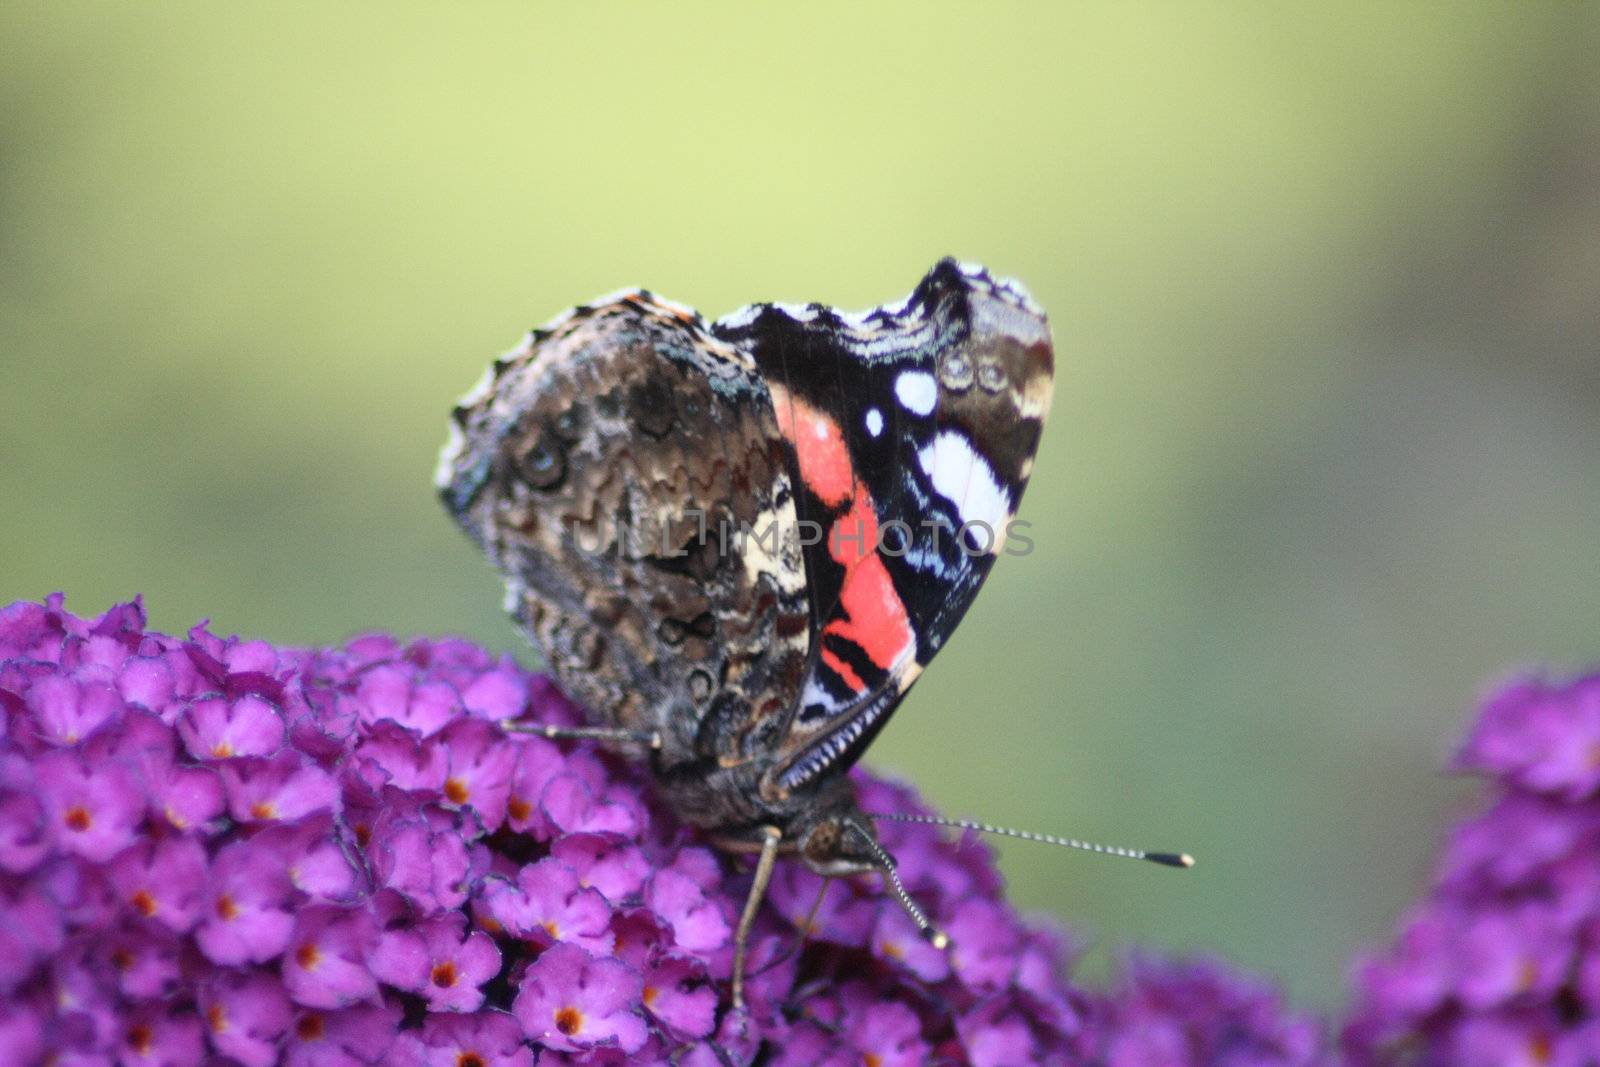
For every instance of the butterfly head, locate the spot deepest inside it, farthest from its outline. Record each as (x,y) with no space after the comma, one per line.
(840,844)
(843,842)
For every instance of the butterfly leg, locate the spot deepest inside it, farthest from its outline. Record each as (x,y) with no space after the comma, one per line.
(648,738)
(752,904)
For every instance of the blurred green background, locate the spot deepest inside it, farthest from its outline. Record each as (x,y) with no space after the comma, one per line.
(1323,460)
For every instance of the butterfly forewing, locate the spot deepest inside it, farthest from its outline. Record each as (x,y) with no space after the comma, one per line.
(910,432)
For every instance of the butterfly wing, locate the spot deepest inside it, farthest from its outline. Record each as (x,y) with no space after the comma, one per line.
(602,467)
(910,432)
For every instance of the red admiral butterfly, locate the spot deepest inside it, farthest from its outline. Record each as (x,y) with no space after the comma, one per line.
(739,543)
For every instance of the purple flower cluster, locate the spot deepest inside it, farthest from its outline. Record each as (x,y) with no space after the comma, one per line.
(225,852)
(1197,1012)
(1499,965)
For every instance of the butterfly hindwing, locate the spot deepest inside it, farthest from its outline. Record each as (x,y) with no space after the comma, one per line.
(602,467)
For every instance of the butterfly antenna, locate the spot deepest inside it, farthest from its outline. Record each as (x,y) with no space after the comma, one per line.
(1166,859)
(932,934)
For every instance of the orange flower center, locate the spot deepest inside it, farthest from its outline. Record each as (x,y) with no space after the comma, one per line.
(519,809)
(263,810)
(569,1021)
(309,1028)
(444,975)
(78,819)
(469,1059)
(140,1038)
(227,910)
(650,994)
(308,956)
(217,1019)
(872,1059)
(143,903)
(455,790)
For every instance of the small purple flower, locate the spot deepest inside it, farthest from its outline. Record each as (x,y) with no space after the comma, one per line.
(248,913)
(399,694)
(1541,737)
(283,788)
(66,710)
(395,756)
(571,1000)
(885,1033)
(697,921)
(315,858)
(440,961)
(573,806)
(478,766)
(678,997)
(547,903)
(94,811)
(145,959)
(421,855)
(247,1014)
(487,1039)
(163,880)
(617,869)
(219,729)
(155,1037)
(355,1037)
(326,962)
(500,693)
(985,942)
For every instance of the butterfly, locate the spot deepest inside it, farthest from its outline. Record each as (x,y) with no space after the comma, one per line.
(737,544)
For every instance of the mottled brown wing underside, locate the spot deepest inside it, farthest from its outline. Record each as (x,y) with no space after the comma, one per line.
(611,468)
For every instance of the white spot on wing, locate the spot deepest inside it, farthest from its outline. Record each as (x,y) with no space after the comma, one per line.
(916,391)
(816,696)
(874,421)
(965,478)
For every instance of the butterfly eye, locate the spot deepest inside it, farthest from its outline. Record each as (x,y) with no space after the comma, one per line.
(544,465)
(990,376)
(955,371)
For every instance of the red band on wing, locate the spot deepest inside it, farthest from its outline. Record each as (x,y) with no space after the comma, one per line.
(870,613)
(874,617)
(818,445)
